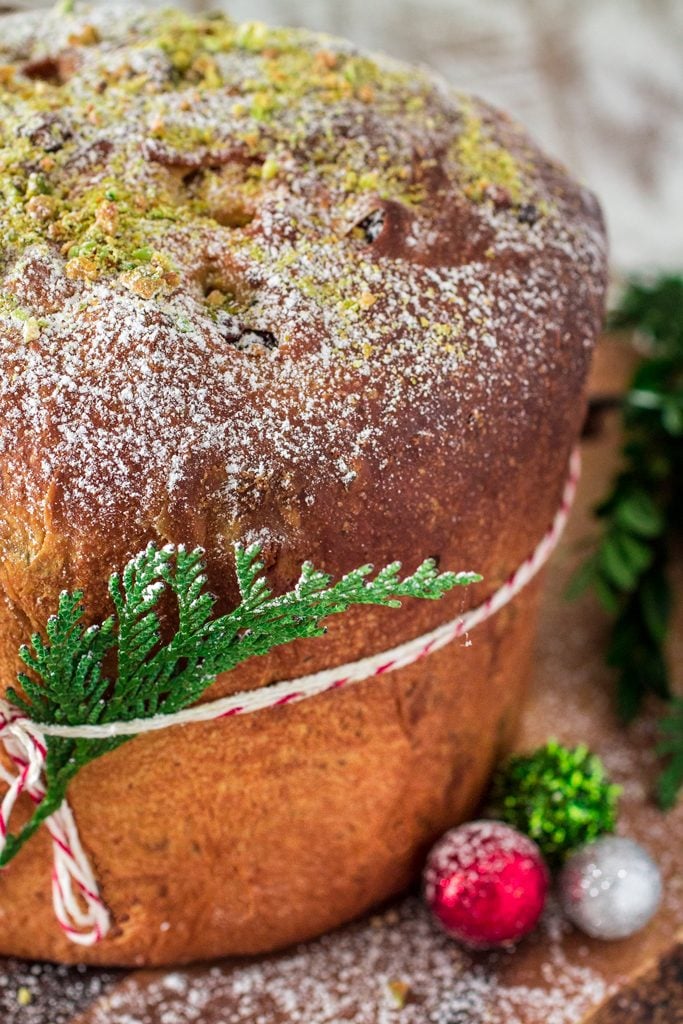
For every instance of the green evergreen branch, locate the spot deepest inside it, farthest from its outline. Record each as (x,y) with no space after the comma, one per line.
(67,681)
(671,747)
(643,512)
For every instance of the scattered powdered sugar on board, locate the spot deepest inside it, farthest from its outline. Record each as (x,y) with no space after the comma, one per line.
(46,993)
(396,968)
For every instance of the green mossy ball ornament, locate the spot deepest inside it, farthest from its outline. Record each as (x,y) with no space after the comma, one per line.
(560,797)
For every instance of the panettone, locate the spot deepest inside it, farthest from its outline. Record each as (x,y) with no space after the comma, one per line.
(257,286)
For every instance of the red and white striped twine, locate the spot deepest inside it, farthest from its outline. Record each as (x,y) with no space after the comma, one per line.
(79,908)
(77,903)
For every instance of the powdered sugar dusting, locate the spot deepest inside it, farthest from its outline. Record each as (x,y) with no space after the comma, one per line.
(366,974)
(218,276)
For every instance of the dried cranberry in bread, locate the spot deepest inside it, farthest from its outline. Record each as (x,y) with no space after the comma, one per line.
(257,285)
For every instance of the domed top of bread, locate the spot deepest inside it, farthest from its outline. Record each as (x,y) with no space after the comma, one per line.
(257,284)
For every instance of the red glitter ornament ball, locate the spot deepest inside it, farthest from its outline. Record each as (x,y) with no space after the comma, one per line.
(486,884)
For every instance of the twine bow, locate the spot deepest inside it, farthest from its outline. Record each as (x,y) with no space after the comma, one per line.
(78,906)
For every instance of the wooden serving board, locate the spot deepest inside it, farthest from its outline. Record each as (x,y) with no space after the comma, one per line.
(396,967)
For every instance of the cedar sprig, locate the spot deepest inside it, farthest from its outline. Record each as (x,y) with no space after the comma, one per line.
(643,513)
(68,682)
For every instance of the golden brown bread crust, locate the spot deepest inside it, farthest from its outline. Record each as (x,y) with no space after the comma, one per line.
(259,287)
(247,835)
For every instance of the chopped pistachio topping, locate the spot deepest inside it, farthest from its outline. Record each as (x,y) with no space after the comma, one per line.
(231,254)
(77,176)
(487,168)
(105,207)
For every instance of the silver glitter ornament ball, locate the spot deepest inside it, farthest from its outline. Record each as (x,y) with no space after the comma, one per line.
(610,888)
